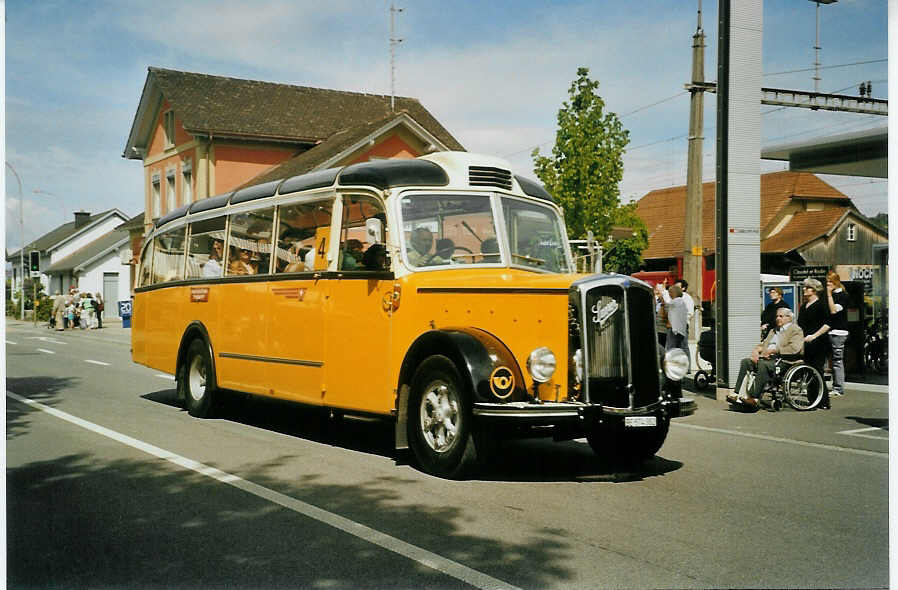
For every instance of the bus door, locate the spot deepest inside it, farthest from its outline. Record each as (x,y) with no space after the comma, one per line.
(357,314)
(296,297)
(239,339)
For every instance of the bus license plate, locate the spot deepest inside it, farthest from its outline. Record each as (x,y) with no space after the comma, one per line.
(640,421)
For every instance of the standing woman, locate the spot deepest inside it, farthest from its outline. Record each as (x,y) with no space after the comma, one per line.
(838,334)
(813,319)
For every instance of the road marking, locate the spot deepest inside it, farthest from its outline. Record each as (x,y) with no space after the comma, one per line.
(47,351)
(169,377)
(801,443)
(96,362)
(858,432)
(423,556)
(11,342)
(45,339)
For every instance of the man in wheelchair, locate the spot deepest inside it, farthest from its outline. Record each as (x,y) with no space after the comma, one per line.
(786,342)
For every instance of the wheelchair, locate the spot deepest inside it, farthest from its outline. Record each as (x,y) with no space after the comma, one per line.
(794,382)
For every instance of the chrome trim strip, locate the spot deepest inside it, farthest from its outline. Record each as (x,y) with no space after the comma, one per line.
(632,411)
(523,414)
(631,391)
(268,359)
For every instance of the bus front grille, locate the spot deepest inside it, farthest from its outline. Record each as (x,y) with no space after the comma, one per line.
(621,365)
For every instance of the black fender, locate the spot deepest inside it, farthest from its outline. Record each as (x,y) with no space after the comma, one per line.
(194,330)
(487,366)
(477,355)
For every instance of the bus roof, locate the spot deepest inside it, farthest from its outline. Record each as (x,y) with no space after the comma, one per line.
(443,169)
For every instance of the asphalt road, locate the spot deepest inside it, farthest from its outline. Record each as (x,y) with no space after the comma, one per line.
(109,483)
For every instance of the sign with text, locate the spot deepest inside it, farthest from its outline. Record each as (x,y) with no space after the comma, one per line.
(124,308)
(800,273)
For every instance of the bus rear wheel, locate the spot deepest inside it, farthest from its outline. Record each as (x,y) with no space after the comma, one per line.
(195,380)
(439,419)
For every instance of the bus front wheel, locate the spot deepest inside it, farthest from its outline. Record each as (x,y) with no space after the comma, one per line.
(195,383)
(439,419)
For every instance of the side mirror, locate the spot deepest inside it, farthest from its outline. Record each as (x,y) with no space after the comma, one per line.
(374,229)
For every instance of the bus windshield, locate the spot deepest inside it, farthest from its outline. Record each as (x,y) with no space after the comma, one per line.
(441,230)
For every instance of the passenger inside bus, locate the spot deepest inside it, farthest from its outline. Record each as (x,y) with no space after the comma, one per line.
(444,248)
(375,257)
(212,267)
(490,246)
(352,255)
(241,263)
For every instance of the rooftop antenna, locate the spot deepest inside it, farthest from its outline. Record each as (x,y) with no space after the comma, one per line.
(817,43)
(394,41)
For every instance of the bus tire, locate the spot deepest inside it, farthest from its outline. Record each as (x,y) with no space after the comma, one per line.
(616,444)
(196,384)
(440,431)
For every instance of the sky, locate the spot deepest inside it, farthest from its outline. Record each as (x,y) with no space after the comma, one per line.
(493,73)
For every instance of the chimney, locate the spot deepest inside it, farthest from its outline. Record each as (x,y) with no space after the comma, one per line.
(81,218)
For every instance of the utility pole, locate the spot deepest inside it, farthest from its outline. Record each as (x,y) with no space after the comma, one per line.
(394,41)
(817,43)
(22,231)
(692,231)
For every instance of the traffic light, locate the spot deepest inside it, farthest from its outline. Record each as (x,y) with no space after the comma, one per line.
(35,265)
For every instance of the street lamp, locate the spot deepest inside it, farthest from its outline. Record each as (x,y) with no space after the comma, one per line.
(22,232)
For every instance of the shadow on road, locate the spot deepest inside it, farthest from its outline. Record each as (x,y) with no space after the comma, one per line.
(78,521)
(874,422)
(45,390)
(512,460)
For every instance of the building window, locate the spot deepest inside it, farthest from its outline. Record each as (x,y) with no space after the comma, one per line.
(851,234)
(170,190)
(157,197)
(187,183)
(168,123)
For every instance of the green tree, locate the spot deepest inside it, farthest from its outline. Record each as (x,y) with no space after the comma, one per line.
(584,173)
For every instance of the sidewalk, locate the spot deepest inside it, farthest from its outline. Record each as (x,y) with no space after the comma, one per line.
(111,327)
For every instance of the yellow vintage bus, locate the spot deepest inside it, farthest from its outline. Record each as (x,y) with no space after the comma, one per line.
(436,292)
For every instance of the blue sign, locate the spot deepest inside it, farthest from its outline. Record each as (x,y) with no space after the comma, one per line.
(124,308)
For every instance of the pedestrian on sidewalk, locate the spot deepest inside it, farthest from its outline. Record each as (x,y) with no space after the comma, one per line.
(58,311)
(100,307)
(837,301)
(813,318)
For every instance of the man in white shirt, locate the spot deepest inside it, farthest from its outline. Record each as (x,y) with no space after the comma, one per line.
(690,312)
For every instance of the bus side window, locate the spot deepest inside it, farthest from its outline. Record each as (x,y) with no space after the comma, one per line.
(250,242)
(354,244)
(146,265)
(205,253)
(168,258)
(301,229)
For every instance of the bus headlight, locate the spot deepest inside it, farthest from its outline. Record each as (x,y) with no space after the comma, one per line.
(676,364)
(541,364)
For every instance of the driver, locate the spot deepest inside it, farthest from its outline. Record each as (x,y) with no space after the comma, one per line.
(421,243)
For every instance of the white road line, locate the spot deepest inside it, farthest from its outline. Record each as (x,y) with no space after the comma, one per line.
(390,543)
(169,377)
(47,351)
(11,342)
(858,431)
(45,339)
(96,362)
(800,443)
